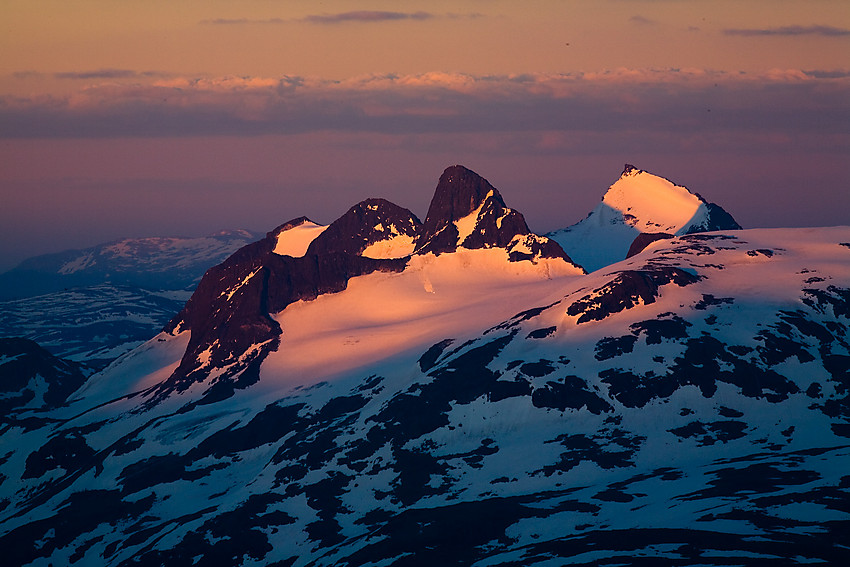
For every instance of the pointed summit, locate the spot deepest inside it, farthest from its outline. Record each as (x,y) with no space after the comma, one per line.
(628,169)
(460,193)
(638,203)
(468,212)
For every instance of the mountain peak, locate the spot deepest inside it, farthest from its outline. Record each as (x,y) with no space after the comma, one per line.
(468,212)
(629,169)
(637,203)
(373,227)
(648,201)
(459,192)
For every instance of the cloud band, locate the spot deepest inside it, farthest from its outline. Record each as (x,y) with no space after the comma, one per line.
(666,101)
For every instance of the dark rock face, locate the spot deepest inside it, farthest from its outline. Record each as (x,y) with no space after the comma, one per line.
(230,313)
(643,240)
(22,364)
(460,192)
(718,219)
(365,223)
(629,168)
(627,289)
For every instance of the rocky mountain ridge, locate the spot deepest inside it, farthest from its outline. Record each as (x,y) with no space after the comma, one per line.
(230,315)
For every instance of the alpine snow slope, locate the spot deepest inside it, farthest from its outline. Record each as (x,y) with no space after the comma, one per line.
(638,204)
(462,395)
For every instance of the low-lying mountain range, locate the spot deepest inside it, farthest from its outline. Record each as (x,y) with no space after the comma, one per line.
(460,391)
(93,305)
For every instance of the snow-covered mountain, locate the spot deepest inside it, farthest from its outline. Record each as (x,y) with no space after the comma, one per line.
(96,304)
(171,263)
(638,208)
(382,391)
(91,325)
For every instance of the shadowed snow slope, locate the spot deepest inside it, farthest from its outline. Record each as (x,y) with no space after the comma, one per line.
(639,202)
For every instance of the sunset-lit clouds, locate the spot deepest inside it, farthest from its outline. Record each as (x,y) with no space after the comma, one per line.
(638,19)
(101,74)
(366,16)
(651,100)
(356,16)
(826,31)
(243,21)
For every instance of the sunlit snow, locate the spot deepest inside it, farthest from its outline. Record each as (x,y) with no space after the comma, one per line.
(637,202)
(466,225)
(653,204)
(381,314)
(398,246)
(295,241)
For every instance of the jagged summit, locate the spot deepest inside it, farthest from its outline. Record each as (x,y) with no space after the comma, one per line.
(459,192)
(638,203)
(375,228)
(628,169)
(468,212)
(459,200)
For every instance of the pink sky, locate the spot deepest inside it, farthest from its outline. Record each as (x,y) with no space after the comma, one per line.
(130,119)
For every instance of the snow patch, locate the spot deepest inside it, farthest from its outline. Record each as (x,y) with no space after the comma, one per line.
(467,224)
(77,264)
(398,246)
(295,241)
(204,357)
(243,282)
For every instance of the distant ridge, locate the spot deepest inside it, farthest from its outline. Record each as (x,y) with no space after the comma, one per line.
(150,263)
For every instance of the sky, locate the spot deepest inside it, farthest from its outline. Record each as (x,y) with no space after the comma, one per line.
(123,118)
